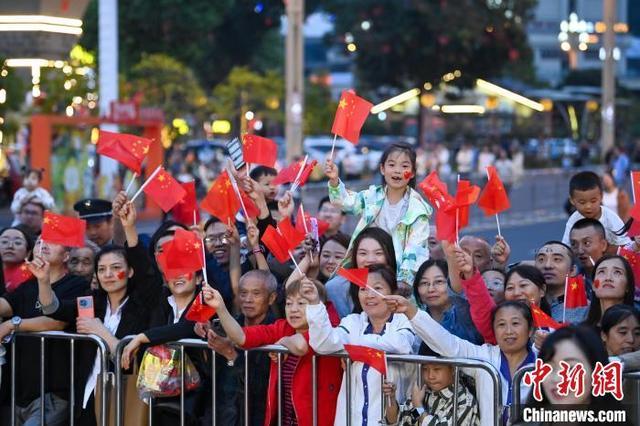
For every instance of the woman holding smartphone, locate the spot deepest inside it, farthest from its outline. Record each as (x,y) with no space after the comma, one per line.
(122,304)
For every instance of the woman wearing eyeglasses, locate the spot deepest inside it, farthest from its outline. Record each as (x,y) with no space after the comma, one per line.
(15,247)
(433,294)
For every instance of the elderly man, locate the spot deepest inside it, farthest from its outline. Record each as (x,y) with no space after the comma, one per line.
(257,292)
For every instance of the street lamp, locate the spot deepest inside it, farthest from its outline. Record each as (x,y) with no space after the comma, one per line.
(574,37)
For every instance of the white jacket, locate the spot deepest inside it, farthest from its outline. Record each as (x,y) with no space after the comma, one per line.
(366,390)
(449,345)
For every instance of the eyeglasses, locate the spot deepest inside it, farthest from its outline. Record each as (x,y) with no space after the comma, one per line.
(435,284)
(17,243)
(213,239)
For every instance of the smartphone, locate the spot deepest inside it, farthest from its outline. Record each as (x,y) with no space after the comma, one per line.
(85,307)
(314,231)
(235,152)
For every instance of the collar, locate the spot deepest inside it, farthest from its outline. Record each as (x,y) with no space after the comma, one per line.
(119,310)
(447,392)
(369,329)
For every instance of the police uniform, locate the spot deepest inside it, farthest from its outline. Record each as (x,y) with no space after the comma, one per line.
(94,210)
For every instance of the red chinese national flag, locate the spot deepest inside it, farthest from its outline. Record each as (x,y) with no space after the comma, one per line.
(635,186)
(304,224)
(494,198)
(15,275)
(466,195)
(163,259)
(63,230)
(575,294)
(291,235)
(198,311)
(276,244)
(436,191)
(185,251)
(634,261)
(184,210)
(541,319)
(164,190)
(357,276)
(373,357)
(291,172)
(221,201)
(350,116)
(259,150)
(446,225)
(130,150)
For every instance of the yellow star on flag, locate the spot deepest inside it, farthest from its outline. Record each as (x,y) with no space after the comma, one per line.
(342,104)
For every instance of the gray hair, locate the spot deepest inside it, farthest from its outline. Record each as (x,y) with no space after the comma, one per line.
(265,276)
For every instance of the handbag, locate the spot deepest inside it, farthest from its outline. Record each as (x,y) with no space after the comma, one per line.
(134,411)
(159,374)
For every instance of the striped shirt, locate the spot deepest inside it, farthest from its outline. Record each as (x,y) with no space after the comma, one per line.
(288,412)
(439,409)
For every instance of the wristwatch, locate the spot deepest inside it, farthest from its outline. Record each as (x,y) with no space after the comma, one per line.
(16,321)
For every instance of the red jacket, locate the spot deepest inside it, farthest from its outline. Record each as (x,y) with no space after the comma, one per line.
(328,369)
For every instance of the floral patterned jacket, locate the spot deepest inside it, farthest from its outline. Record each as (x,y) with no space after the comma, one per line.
(411,233)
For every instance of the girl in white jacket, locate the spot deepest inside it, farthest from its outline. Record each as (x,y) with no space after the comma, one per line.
(376,327)
(513,327)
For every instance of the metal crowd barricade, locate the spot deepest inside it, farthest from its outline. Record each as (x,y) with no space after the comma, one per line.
(103,350)
(516,407)
(457,363)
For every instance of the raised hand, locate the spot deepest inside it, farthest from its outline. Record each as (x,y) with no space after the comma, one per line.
(401,305)
(221,345)
(127,215)
(118,202)
(331,172)
(39,268)
(309,291)
(213,298)
(500,251)
(286,205)
(417,395)
(253,235)
(464,262)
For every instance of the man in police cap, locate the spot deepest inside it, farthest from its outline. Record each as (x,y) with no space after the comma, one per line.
(99,217)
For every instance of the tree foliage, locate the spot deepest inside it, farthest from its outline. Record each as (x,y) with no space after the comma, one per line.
(161,81)
(410,42)
(211,37)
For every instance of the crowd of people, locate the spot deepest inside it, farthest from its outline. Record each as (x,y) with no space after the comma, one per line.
(463,299)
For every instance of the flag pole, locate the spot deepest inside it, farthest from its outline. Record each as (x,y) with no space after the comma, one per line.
(498,223)
(294,185)
(457,217)
(333,145)
(633,187)
(295,263)
(234,184)
(376,291)
(146,182)
(564,305)
(304,219)
(133,179)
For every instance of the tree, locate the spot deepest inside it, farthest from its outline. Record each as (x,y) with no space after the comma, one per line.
(163,82)
(211,36)
(246,90)
(407,43)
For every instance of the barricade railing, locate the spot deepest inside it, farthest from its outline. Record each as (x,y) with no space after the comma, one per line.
(457,363)
(45,336)
(516,407)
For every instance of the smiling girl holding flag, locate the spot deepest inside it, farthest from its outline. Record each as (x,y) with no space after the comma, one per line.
(393,206)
